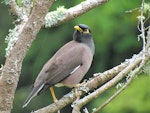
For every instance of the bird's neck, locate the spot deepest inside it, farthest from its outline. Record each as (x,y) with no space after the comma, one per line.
(90,44)
(85,39)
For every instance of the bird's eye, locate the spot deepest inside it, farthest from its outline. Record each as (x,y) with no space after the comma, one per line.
(86,31)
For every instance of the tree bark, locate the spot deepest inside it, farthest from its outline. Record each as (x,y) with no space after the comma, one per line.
(12,68)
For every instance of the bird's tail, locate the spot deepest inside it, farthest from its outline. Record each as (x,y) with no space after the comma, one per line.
(33,93)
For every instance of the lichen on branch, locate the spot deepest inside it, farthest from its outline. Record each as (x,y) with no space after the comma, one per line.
(11,39)
(53,17)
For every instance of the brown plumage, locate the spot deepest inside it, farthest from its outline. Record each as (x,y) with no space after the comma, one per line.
(69,64)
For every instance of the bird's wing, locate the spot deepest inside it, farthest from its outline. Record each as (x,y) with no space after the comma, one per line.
(61,64)
(64,62)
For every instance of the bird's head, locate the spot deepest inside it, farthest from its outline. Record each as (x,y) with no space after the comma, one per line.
(82,32)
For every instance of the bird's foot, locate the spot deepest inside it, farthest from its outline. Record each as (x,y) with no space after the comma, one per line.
(77,95)
(55,101)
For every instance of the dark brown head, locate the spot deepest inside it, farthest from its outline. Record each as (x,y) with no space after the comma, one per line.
(83,34)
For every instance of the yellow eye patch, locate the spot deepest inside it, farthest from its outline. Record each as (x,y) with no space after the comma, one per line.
(86,31)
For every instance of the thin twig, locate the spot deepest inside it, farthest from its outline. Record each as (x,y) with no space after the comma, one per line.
(142,25)
(130,11)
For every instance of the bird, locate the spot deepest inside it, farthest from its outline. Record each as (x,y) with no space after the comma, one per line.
(68,65)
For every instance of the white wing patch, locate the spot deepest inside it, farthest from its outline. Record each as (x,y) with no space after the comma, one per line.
(75,69)
(61,84)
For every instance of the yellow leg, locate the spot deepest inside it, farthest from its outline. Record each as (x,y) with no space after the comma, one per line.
(76,89)
(76,92)
(53,94)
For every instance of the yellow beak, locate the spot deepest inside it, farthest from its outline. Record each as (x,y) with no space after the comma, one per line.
(78,28)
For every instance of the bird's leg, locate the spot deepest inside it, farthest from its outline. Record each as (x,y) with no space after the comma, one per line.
(53,94)
(76,89)
(76,92)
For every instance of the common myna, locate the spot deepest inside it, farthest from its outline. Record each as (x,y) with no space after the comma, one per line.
(68,65)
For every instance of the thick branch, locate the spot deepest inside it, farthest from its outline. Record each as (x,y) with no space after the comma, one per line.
(73,12)
(12,68)
(81,9)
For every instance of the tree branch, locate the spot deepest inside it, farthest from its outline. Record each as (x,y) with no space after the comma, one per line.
(142,25)
(12,68)
(14,9)
(68,14)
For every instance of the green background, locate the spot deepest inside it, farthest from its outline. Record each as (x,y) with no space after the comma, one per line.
(115,36)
